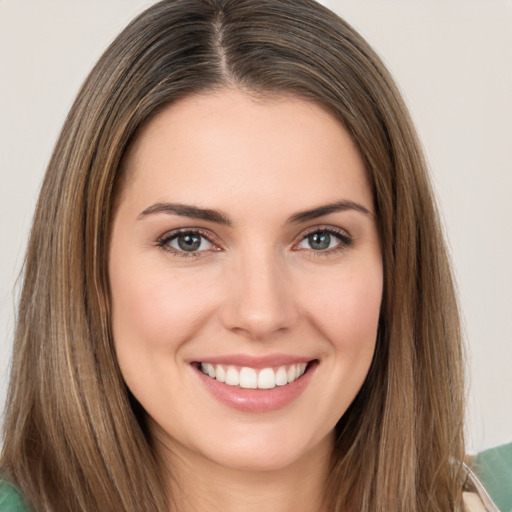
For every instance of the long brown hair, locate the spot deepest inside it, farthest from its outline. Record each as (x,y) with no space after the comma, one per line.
(74,438)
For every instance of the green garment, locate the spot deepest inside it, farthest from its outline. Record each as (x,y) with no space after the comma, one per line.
(10,499)
(494,468)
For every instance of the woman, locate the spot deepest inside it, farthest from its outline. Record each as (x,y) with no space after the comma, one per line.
(236,281)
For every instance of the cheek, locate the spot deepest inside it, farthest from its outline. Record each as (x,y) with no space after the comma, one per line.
(153,315)
(153,310)
(346,306)
(148,291)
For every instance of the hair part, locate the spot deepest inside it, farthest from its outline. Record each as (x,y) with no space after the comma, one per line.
(74,437)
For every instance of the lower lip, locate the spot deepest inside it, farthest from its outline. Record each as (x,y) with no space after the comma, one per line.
(257,400)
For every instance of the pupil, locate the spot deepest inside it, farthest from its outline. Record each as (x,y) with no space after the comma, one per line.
(319,241)
(189,242)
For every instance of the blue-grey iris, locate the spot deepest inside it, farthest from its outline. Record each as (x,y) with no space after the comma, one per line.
(319,241)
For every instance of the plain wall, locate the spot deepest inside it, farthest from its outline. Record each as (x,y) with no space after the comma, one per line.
(451,58)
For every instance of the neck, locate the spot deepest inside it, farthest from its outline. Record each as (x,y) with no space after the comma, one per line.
(202,485)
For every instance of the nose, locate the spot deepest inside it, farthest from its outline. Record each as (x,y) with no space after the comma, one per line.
(259,300)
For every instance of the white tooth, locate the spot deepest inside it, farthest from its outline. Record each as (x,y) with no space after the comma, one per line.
(281,376)
(232,377)
(248,378)
(302,368)
(208,369)
(220,373)
(292,373)
(266,379)
(211,370)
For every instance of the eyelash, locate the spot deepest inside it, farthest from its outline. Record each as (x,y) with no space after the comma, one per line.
(345,241)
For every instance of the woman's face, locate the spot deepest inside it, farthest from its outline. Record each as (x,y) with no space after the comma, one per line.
(246,278)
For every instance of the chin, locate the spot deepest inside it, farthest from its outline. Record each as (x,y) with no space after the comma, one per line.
(268,453)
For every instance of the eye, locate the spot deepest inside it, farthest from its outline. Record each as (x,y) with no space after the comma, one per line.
(325,240)
(186,243)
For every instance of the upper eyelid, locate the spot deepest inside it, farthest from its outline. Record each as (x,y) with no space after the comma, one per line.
(172,232)
(324,227)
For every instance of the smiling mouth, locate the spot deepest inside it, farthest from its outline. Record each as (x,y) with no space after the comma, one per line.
(250,378)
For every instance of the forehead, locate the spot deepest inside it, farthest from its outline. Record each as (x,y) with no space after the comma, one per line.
(229,146)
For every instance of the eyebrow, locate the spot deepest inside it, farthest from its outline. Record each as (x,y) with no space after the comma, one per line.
(320,211)
(184,210)
(219,217)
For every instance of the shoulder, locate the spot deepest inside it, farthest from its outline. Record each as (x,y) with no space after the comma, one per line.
(10,499)
(494,469)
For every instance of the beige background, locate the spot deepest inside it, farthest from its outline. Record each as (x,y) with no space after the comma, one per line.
(453,62)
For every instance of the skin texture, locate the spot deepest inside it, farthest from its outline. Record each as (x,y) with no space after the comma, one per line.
(255,287)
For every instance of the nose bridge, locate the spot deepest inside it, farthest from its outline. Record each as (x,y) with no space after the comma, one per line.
(259,301)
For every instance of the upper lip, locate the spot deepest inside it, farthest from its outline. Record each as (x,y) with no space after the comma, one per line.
(257,362)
